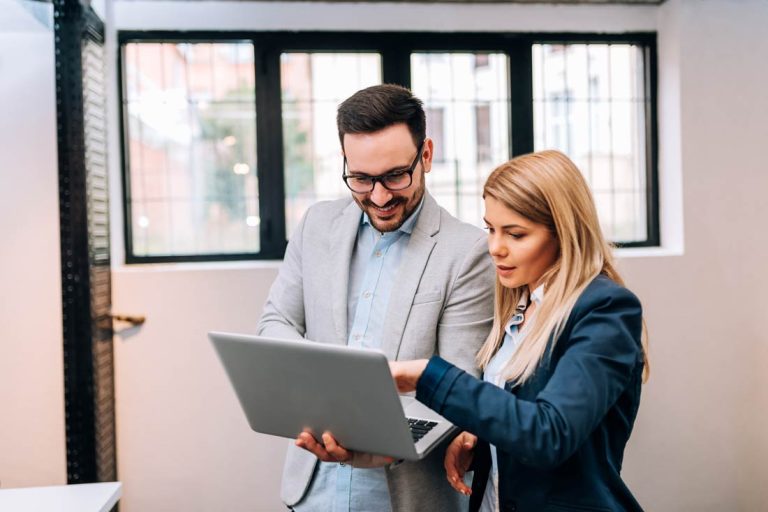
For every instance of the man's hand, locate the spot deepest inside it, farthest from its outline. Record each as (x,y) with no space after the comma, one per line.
(331,451)
(458,457)
(407,373)
(327,451)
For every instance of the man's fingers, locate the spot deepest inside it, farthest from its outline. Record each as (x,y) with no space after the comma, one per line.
(308,442)
(335,450)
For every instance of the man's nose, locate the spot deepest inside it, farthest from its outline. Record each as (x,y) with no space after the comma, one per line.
(380,195)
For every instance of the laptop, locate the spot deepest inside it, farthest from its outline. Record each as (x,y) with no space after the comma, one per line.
(287,386)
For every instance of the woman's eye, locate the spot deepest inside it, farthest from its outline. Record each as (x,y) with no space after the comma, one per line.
(516,236)
(488,229)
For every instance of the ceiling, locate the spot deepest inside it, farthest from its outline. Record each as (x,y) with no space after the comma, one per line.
(563,2)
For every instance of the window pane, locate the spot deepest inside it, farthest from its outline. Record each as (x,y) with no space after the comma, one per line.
(191,148)
(466,96)
(589,102)
(313,86)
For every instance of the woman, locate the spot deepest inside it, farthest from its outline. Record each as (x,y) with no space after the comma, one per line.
(563,365)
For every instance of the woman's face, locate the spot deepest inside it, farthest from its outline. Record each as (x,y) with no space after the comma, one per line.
(522,250)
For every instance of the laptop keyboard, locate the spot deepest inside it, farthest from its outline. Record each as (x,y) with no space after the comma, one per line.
(420,428)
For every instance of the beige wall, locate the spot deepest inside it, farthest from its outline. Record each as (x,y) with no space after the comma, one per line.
(702,434)
(32,449)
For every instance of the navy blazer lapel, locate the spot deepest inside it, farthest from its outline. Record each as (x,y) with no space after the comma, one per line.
(342,243)
(413,263)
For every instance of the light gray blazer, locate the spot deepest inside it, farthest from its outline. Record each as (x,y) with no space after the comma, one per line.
(442,303)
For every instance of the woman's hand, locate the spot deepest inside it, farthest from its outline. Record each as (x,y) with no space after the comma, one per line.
(458,457)
(407,373)
(331,451)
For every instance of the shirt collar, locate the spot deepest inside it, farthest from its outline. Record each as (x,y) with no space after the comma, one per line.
(409,223)
(538,295)
(517,318)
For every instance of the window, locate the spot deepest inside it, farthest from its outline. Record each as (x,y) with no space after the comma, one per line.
(483,132)
(190,112)
(453,84)
(312,86)
(436,130)
(481,60)
(228,138)
(590,102)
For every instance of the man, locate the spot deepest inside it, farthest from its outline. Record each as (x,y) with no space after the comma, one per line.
(389,269)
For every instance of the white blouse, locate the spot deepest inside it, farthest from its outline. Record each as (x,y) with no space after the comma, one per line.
(493,373)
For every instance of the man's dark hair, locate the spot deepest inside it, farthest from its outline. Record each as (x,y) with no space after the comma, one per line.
(377,107)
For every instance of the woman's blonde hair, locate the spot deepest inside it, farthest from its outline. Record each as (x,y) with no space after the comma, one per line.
(547,188)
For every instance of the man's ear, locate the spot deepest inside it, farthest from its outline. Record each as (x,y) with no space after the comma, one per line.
(427,153)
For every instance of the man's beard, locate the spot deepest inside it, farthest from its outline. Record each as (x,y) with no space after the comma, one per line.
(395,201)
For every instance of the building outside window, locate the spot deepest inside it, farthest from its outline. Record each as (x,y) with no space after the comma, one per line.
(228,142)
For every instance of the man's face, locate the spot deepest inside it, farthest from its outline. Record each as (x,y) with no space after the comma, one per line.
(387,151)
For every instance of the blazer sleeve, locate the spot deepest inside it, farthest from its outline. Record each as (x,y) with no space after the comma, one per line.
(283,314)
(468,313)
(601,353)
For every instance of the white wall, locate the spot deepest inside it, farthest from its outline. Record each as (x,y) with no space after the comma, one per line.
(32,448)
(700,442)
(236,15)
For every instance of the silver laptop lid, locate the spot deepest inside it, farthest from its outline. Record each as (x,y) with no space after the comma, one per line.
(286,386)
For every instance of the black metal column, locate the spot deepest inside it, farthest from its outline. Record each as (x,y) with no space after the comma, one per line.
(85,263)
(521,96)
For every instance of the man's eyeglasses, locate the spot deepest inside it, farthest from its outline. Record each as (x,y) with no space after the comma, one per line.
(396,180)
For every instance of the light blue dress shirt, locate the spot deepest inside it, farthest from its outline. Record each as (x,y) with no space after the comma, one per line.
(494,373)
(373,270)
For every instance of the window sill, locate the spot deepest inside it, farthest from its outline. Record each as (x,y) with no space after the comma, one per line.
(647,252)
(198,266)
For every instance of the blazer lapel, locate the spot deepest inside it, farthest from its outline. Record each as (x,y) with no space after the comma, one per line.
(414,261)
(343,237)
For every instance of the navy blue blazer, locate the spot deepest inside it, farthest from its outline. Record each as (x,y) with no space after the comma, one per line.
(560,436)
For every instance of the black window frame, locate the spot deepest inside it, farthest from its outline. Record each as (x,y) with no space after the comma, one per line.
(395,49)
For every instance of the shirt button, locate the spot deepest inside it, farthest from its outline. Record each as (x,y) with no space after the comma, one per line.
(377,254)
(356,337)
(367,295)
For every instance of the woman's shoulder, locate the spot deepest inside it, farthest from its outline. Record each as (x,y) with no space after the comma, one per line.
(605,313)
(603,291)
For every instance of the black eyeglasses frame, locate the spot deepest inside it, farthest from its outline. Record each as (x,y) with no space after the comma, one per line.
(380,179)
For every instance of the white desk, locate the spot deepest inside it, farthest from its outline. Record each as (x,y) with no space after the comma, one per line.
(99,497)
